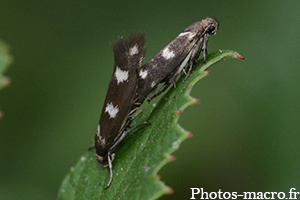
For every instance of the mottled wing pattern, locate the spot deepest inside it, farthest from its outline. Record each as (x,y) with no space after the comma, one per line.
(168,63)
(163,64)
(129,55)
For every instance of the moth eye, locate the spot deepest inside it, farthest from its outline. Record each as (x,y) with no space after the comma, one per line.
(210,29)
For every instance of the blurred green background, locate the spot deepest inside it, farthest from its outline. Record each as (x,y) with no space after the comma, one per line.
(246,128)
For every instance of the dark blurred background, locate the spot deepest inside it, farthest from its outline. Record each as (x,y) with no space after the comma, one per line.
(246,128)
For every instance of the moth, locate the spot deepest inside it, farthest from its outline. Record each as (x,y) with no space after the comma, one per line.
(118,108)
(169,62)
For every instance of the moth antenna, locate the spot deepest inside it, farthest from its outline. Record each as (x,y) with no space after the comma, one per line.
(218,23)
(110,169)
(91,147)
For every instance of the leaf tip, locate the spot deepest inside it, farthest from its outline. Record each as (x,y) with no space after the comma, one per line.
(189,134)
(171,158)
(178,112)
(196,101)
(170,191)
(240,56)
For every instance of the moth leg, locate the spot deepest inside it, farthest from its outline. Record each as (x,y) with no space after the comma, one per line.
(137,114)
(131,119)
(161,90)
(204,47)
(190,69)
(135,106)
(204,55)
(125,134)
(174,84)
(133,110)
(129,131)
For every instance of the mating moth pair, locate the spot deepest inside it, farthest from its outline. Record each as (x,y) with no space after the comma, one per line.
(131,82)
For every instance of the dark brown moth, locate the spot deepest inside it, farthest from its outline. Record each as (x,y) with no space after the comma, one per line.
(168,63)
(118,106)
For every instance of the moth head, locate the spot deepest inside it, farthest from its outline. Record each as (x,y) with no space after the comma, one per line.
(211,25)
(101,148)
(104,159)
(101,159)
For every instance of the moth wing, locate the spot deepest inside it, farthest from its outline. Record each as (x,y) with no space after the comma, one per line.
(129,55)
(164,63)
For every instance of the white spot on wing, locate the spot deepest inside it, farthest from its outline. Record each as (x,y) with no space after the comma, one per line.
(143,74)
(184,33)
(121,75)
(190,35)
(98,130)
(133,50)
(167,54)
(112,110)
(102,141)
(153,84)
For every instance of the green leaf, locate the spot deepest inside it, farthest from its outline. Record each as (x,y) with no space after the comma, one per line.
(5,60)
(145,152)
